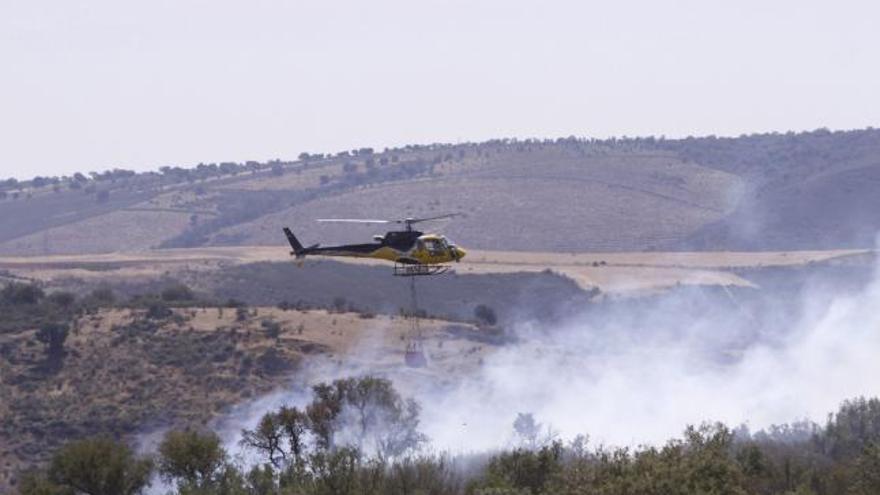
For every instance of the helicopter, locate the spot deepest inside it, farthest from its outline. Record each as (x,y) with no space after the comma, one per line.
(414,253)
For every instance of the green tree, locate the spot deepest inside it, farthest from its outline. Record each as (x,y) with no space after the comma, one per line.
(191,458)
(100,466)
(366,412)
(854,427)
(522,470)
(267,438)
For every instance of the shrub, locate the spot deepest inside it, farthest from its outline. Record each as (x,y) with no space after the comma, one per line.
(158,310)
(241,313)
(177,293)
(273,328)
(62,298)
(100,466)
(485,315)
(103,296)
(53,336)
(16,293)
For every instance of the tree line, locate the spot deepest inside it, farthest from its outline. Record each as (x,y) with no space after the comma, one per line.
(360,436)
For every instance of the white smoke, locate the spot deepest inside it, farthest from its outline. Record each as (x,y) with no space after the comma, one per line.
(627,386)
(636,375)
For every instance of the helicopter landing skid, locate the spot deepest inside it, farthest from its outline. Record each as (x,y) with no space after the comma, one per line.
(413,270)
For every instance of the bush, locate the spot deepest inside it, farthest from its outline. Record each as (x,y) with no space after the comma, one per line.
(485,315)
(103,296)
(63,299)
(53,336)
(158,310)
(177,293)
(241,313)
(339,304)
(273,329)
(523,469)
(16,293)
(100,466)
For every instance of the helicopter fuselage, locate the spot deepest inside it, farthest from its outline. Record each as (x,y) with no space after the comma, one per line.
(406,247)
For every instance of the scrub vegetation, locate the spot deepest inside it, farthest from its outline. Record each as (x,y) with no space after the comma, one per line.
(359,436)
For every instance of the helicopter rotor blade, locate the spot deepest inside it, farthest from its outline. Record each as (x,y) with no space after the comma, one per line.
(405,221)
(352,220)
(428,219)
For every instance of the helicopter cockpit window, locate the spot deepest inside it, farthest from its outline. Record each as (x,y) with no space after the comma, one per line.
(434,247)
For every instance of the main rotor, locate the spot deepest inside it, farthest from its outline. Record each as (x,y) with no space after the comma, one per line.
(407,222)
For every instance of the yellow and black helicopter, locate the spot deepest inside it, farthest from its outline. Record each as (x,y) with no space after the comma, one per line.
(414,253)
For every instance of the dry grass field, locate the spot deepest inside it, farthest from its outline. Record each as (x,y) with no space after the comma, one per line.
(613,272)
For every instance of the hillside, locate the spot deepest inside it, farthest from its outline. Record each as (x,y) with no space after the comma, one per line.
(813,190)
(125,371)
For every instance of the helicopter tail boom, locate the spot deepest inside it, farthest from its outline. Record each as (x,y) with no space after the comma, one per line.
(298,250)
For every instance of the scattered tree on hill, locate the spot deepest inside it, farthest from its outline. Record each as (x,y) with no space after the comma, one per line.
(485,315)
(241,313)
(272,328)
(339,304)
(53,336)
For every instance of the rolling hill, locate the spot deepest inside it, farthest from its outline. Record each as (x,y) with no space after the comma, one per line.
(814,190)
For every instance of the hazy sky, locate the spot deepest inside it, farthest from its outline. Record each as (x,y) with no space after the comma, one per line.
(90,85)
